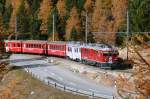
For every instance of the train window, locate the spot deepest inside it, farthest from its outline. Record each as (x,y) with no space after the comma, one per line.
(51,46)
(14,44)
(30,45)
(106,54)
(60,48)
(19,45)
(56,47)
(75,50)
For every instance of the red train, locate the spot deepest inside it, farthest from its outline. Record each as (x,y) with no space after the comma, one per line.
(101,55)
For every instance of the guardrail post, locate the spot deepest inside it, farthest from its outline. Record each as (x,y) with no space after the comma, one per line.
(55,85)
(48,82)
(64,88)
(92,94)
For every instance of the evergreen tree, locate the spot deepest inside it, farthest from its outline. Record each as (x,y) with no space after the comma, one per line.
(22,19)
(50,24)
(73,34)
(69,5)
(139,11)
(80,4)
(34,6)
(7,16)
(35,22)
(2,6)
(54,2)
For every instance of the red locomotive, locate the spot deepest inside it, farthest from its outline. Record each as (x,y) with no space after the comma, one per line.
(101,55)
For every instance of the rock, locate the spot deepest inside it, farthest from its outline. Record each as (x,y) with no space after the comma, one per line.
(32,92)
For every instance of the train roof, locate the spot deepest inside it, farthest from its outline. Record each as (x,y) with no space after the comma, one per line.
(34,41)
(12,40)
(57,42)
(103,47)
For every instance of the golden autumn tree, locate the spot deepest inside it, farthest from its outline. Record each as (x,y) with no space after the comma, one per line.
(119,9)
(45,10)
(102,21)
(73,23)
(61,8)
(89,5)
(15,5)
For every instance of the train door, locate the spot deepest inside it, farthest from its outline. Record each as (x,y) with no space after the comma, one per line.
(6,47)
(78,53)
(69,52)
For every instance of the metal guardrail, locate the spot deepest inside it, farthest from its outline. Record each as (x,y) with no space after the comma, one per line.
(69,89)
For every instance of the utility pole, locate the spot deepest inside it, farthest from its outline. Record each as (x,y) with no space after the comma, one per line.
(53,27)
(16,24)
(86,28)
(127,39)
(15,28)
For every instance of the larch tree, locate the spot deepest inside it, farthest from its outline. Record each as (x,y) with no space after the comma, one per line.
(119,12)
(45,10)
(89,6)
(61,8)
(61,26)
(102,20)
(15,5)
(73,22)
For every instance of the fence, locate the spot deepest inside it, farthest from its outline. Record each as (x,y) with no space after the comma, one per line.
(69,89)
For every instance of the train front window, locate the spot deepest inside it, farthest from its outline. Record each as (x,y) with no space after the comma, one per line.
(108,54)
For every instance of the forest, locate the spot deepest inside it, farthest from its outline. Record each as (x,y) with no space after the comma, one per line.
(106,19)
